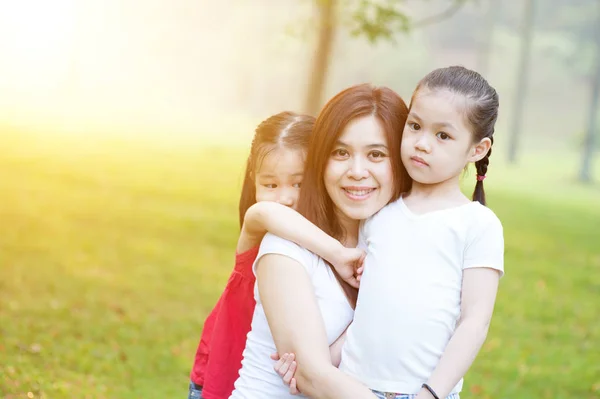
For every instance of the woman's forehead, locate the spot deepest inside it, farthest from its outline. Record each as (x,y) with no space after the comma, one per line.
(364,131)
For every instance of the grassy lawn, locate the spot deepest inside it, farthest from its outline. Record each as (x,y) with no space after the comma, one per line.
(113,252)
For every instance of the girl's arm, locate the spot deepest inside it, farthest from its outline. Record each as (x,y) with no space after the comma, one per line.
(296,324)
(282,221)
(478,296)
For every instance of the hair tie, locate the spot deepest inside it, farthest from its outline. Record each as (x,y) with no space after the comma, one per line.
(480,177)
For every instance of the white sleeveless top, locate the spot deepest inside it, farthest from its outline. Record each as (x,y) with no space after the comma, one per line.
(257,377)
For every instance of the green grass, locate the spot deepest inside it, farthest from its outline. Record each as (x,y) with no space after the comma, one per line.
(112,252)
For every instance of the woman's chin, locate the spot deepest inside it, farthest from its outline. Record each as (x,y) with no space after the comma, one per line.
(362,211)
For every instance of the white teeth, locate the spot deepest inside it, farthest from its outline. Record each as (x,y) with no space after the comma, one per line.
(358,192)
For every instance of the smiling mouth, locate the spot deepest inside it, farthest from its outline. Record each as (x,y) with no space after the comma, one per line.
(358,194)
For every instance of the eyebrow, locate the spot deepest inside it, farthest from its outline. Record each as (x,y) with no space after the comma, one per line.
(376,145)
(271,176)
(446,125)
(441,124)
(414,115)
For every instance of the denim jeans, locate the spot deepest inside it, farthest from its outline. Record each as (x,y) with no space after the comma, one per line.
(195,391)
(391,395)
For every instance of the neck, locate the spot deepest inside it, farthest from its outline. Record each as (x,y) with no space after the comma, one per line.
(349,236)
(446,189)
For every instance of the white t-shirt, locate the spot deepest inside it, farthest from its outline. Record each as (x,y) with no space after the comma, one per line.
(257,377)
(410,293)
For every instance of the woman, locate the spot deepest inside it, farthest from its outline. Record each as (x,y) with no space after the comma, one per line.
(353,169)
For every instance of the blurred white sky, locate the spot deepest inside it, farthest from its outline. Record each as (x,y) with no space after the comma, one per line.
(120,63)
(203,66)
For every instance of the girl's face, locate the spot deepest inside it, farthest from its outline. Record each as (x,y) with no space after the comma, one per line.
(279,177)
(358,176)
(437,142)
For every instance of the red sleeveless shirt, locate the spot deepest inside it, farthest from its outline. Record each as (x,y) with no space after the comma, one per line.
(219,354)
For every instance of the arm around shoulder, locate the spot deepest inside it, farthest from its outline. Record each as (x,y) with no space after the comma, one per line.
(285,222)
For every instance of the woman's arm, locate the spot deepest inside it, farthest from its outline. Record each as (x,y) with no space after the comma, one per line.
(296,324)
(286,365)
(478,296)
(286,223)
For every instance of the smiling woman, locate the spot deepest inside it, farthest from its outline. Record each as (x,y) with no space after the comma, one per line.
(358,176)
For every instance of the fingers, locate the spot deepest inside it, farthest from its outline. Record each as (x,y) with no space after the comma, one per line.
(278,367)
(293,387)
(361,260)
(361,266)
(289,375)
(286,367)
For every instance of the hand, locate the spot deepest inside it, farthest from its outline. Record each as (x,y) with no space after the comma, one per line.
(348,262)
(286,368)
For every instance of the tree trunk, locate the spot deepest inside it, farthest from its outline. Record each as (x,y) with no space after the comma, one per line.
(318,74)
(487,39)
(522,79)
(585,174)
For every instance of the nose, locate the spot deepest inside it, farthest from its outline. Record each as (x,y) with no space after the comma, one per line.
(286,197)
(422,143)
(358,168)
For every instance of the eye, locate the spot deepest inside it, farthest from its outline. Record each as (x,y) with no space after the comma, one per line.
(340,153)
(297,185)
(271,186)
(443,136)
(377,155)
(414,126)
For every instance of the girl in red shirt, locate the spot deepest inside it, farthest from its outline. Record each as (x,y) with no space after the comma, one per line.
(273,173)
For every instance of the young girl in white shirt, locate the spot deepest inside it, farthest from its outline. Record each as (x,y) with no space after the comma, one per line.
(434,257)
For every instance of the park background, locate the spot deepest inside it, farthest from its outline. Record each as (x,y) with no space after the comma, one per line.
(125,124)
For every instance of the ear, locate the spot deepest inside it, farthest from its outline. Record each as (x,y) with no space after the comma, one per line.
(480,150)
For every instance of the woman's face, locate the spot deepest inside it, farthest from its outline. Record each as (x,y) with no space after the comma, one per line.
(358,175)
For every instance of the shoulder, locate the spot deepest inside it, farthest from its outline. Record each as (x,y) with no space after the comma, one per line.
(272,244)
(391,209)
(485,242)
(484,217)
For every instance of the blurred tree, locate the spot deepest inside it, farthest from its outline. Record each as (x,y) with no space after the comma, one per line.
(567,31)
(373,19)
(592,128)
(485,42)
(571,29)
(522,79)
(316,83)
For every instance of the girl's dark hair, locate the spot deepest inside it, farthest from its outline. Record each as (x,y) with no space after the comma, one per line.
(358,101)
(284,130)
(481,110)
